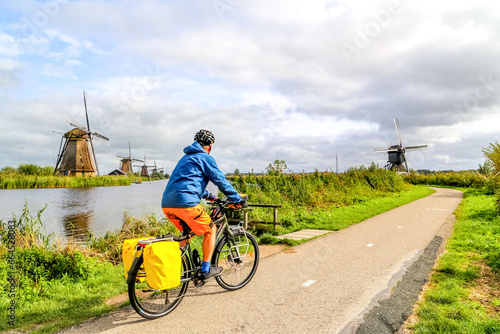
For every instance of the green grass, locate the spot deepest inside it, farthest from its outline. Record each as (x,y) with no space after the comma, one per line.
(56,304)
(449,305)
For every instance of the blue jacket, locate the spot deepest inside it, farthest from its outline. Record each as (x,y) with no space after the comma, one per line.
(186,186)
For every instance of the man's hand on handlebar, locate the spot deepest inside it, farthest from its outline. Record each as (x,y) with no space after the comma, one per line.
(241,204)
(211,198)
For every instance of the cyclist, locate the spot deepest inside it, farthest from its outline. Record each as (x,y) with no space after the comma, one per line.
(185,189)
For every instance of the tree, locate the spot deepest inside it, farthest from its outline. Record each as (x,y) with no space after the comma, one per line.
(492,154)
(236,172)
(373,167)
(486,168)
(277,167)
(157,176)
(47,171)
(8,171)
(29,169)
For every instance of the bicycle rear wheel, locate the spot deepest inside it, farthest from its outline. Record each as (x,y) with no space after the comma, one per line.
(238,254)
(151,303)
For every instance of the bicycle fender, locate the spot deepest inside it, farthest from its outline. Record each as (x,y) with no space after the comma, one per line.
(129,273)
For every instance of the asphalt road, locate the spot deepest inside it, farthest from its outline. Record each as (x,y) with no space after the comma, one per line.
(325,285)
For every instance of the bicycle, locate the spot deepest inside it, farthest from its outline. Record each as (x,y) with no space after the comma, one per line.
(236,250)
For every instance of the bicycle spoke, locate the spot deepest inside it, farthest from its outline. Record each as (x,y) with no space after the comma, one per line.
(238,256)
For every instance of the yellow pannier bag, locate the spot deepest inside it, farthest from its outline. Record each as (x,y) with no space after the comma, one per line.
(162,262)
(128,250)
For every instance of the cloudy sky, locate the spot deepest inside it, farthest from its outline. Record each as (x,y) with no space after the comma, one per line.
(300,81)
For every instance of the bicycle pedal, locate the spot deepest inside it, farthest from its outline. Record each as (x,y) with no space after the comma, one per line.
(200,283)
(198,279)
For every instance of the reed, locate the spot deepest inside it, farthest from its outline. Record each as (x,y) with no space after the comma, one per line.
(35,181)
(309,199)
(319,190)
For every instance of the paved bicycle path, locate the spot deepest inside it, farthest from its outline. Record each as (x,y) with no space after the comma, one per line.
(323,286)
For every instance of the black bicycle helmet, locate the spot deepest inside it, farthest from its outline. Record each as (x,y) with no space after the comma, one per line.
(204,137)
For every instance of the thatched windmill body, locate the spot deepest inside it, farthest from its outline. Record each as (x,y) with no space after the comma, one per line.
(77,156)
(396,159)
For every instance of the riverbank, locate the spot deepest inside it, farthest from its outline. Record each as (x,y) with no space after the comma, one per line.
(37,182)
(31,176)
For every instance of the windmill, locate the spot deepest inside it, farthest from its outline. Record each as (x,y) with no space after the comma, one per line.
(77,156)
(145,168)
(156,169)
(126,162)
(396,153)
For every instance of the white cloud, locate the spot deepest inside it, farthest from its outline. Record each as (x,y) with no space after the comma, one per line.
(51,70)
(299,125)
(10,71)
(9,45)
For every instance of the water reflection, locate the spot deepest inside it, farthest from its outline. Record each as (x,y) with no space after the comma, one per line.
(78,205)
(77,225)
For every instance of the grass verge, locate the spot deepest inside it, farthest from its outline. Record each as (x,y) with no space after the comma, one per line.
(51,305)
(463,293)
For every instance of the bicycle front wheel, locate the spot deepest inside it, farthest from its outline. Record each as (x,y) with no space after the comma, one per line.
(238,254)
(151,303)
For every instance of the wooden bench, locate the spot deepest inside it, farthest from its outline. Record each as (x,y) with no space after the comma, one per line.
(248,209)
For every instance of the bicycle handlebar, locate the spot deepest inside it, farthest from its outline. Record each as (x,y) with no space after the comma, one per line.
(226,203)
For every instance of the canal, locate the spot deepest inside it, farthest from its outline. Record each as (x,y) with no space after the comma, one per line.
(74,211)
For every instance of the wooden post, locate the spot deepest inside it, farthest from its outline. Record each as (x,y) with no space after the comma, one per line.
(275,213)
(246,219)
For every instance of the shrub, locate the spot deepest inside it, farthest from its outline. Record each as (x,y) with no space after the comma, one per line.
(492,154)
(463,179)
(40,264)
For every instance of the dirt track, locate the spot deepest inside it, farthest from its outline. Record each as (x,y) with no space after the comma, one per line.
(327,285)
